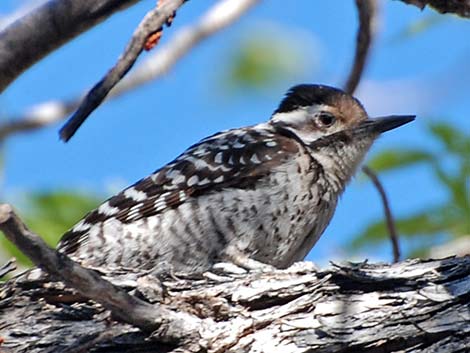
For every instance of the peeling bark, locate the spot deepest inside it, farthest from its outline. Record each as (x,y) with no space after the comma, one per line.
(412,306)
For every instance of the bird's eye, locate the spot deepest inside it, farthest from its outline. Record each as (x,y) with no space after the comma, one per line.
(326,119)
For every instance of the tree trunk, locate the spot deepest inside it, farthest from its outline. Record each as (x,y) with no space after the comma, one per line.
(412,306)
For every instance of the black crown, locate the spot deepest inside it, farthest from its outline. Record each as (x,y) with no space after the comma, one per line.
(305,95)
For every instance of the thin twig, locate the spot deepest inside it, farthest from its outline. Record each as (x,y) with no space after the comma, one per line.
(151,23)
(367,10)
(156,64)
(218,17)
(38,117)
(10,266)
(388,212)
(170,326)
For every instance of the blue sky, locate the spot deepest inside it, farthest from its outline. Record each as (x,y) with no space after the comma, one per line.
(426,74)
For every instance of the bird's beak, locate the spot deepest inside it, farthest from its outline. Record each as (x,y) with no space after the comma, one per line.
(385,123)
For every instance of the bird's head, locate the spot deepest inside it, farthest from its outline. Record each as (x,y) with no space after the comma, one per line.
(332,124)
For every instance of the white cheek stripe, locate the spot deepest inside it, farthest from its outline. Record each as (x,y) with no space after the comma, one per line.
(296,121)
(299,115)
(291,118)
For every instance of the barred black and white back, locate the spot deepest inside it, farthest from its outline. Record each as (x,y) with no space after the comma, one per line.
(189,210)
(262,194)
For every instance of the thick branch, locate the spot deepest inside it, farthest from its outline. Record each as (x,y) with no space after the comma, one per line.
(91,285)
(152,22)
(218,17)
(29,39)
(413,306)
(458,7)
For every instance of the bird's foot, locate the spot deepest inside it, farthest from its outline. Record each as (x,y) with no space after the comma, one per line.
(240,259)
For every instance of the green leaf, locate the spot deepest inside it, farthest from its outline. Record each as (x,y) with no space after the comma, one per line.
(456,185)
(395,159)
(268,56)
(261,62)
(417,27)
(426,223)
(460,192)
(462,229)
(452,168)
(453,139)
(418,252)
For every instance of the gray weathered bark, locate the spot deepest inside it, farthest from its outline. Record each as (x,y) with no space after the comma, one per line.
(412,306)
(47,28)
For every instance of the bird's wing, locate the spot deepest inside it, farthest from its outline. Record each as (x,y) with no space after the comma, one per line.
(231,159)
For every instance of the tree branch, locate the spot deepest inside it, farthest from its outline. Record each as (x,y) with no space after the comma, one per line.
(46,28)
(156,64)
(38,117)
(387,211)
(151,23)
(299,309)
(8,267)
(413,306)
(218,17)
(367,11)
(458,7)
(169,325)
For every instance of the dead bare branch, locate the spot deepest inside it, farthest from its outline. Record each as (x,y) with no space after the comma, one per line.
(38,117)
(46,28)
(151,23)
(458,7)
(218,17)
(169,325)
(392,230)
(8,267)
(412,306)
(367,10)
(158,63)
